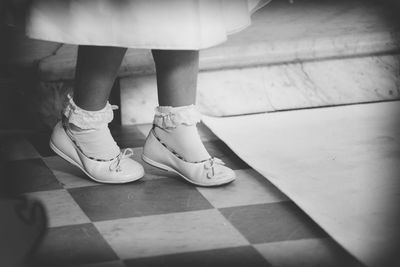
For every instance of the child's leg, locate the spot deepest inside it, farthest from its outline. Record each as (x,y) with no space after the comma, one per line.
(177,85)
(97,67)
(83,138)
(96,70)
(174,143)
(176,76)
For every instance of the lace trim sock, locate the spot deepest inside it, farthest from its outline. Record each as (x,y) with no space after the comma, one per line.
(176,127)
(168,117)
(89,130)
(88,120)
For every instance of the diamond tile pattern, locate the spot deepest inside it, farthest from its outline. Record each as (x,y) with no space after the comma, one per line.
(162,220)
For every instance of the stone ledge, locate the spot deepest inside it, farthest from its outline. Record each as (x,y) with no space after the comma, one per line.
(275,88)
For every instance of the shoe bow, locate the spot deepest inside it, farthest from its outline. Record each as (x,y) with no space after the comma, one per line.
(210,165)
(116,164)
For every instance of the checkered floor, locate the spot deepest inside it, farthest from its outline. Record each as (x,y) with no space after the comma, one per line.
(162,220)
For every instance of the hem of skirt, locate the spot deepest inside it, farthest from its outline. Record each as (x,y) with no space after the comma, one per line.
(133,46)
(150,46)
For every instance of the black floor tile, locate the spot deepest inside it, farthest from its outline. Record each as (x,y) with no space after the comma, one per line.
(272,222)
(16,147)
(232,257)
(41,142)
(140,198)
(73,245)
(128,136)
(29,175)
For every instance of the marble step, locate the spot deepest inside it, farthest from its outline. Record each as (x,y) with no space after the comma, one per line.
(281,32)
(275,88)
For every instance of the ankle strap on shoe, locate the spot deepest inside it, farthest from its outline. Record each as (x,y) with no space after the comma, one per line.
(86,119)
(167,117)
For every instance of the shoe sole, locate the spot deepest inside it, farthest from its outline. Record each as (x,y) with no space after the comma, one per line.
(169,169)
(73,162)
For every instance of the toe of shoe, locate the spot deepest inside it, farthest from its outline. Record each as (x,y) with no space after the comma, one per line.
(131,170)
(227,175)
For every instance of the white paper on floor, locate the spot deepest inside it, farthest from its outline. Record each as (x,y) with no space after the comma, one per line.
(341,165)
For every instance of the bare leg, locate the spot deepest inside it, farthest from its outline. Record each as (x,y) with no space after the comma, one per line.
(177,72)
(176,76)
(96,70)
(83,137)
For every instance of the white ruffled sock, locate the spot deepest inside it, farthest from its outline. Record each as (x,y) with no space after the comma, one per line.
(89,130)
(176,127)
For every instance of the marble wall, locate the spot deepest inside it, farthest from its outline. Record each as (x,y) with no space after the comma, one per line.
(273,88)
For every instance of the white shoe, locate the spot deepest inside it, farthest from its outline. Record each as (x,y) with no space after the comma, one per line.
(121,169)
(209,172)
